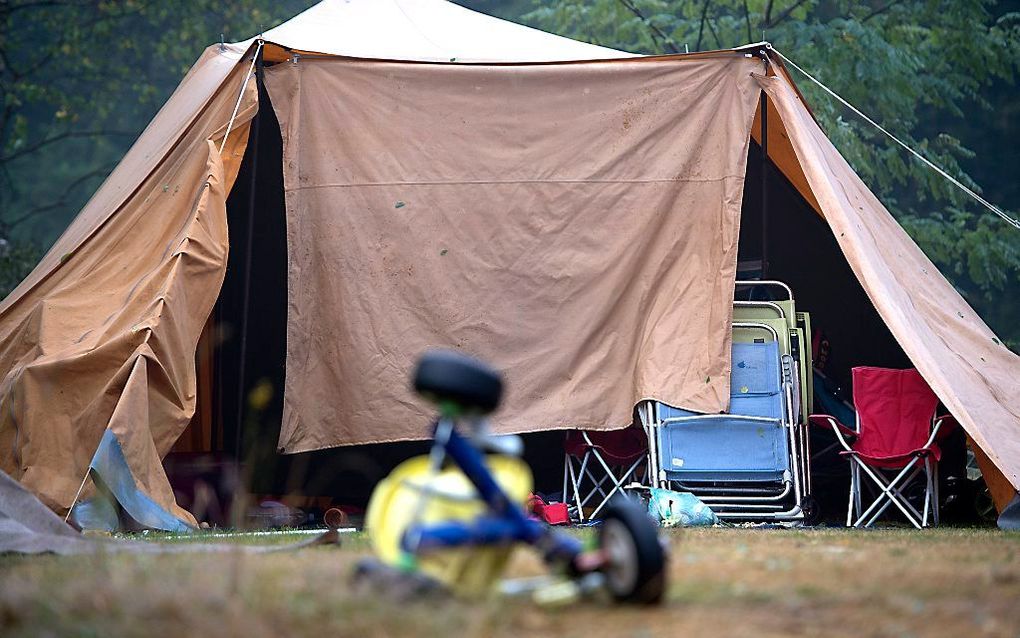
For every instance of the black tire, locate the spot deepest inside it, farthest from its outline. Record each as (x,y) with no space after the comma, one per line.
(636,566)
(984,506)
(445,375)
(812,511)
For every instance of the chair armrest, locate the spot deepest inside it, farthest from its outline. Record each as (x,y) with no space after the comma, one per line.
(720,417)
(828,422)
(842,432)
(945,425)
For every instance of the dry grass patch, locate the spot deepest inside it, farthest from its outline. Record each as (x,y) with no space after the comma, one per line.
(724,582)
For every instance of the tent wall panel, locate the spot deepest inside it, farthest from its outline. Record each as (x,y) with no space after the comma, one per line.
(439,205)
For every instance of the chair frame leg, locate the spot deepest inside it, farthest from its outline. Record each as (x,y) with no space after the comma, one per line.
(618,482)
(578,474)
(566,464)
(893,494)
(853,489)
(577,492)
(858,494)
(927,491)
(890,492)
(886,502)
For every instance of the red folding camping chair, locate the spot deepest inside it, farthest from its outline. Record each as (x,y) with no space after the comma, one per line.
(597,465)
(896,432)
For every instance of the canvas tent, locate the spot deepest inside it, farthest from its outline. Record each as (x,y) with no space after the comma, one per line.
(571,212)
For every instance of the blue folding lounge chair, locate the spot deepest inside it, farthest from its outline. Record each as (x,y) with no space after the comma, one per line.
(743,464)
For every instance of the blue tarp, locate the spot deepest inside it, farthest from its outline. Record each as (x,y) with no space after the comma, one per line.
(1009,519)
(116,485)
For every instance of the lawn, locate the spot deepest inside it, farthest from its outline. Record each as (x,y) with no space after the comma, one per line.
(946,582)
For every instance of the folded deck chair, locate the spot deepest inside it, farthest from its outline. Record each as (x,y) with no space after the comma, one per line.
(597,465)
(772,302)
(895,440)
(744,464)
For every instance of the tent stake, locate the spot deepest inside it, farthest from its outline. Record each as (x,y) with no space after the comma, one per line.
(242,356)
(77,495)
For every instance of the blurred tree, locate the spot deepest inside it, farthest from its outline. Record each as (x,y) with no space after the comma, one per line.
(913,65)
(506,9)
(79,80)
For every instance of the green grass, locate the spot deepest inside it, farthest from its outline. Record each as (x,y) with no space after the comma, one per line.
(894,582)
(222,537)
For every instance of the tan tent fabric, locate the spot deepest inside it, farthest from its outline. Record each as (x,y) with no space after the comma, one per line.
(105,336)
(163,133)
(974,375)
(574,224)
(781,152)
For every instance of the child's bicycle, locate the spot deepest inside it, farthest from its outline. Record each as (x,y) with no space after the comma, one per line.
(450,520)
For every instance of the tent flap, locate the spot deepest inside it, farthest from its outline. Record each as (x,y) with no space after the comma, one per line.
(576,225)
(972,372)
(104,344)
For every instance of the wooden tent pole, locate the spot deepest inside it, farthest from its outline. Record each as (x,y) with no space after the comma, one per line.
(253,143)
(764,184)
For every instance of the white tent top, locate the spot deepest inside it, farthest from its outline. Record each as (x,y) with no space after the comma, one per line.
(426,31)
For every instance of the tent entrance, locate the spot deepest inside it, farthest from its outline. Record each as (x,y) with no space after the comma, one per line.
(803,253)
(240,414)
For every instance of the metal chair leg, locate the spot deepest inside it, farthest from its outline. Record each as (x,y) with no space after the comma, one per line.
(617,485)
(577,493)
(566,464)
(853,486)
(892,491)
(927,491)
(887,496)
(858,494)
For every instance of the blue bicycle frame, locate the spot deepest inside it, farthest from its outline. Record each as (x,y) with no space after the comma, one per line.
(504,523)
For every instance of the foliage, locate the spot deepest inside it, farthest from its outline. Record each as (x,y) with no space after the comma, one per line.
(16,261)
(912,65)
(79,79)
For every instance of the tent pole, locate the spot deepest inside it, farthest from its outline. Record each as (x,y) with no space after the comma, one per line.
(764,185)
(253,144)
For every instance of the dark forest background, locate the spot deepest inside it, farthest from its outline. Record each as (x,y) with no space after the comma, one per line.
(80,79)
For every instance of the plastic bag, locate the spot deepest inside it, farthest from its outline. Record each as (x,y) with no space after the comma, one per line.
(679,509)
